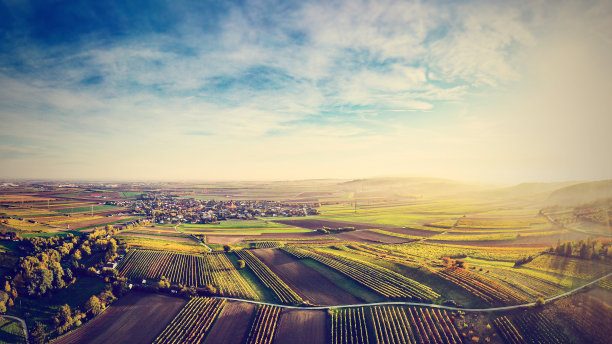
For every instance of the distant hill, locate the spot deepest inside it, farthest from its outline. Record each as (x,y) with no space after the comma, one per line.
(581,193)
(541,190)
(409,187)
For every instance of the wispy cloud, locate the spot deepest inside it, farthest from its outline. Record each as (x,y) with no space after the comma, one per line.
(226,74)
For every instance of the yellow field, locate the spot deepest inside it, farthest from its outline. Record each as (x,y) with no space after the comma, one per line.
(25,226)
(22,198)
(59,220)
(24,211)
(160,244)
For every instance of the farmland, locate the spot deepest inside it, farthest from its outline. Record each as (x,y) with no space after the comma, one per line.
(193,322)
(269,278)
(186,269)
(134,319)
(201,277)
(309,284)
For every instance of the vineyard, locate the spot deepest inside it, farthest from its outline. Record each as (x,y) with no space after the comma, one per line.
(537,328)
(266,244)
(264,326)
(348,326)
(186,269)
(393,325)
(530,285)
(486,288)
(398,324)
(591,316)
(382,281)
(193,322)
(606,283)
(269,278)
(566,266)
(508,331)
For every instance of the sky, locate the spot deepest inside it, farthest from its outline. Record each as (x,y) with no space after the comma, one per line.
(494,91)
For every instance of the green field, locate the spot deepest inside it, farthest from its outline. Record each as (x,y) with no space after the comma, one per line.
(233,227)
(96,208)
(11,331)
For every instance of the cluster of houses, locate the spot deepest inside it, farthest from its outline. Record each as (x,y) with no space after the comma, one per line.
(164,208)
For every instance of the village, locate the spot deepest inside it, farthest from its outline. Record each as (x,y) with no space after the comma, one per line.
(164,208)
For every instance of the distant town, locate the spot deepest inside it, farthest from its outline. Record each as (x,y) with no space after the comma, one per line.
(165,208)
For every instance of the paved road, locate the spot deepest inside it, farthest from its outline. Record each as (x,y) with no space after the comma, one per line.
(450,308)
(23,324)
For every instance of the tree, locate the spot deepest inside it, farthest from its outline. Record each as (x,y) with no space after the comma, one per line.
(93,305)
(37,334)
(163,283)
(540,302)
(39,282)
(63,319)
(120,287)
(58,274)
(7,287)
(227,248)
(241,264)
(76,255)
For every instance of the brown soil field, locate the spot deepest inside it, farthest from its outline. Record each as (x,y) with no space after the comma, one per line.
(225,239)
(298,326)
(158,229)
(23,198)
(358,236)
(234,239)
(135,318)
(233,324)
(317,224)
(96,222)
(532,241)
(370,237)
(159,237)
(148,231)
(308,283)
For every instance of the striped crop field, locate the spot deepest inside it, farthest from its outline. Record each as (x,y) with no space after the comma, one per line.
(269,278)
(187,269)
(381,280)
(264,326)
(193,322)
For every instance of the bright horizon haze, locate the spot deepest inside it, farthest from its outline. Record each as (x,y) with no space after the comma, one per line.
(490,91)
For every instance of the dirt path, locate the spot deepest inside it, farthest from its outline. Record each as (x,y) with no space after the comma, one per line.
(308,283)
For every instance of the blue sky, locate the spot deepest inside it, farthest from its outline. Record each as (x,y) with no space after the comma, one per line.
(187,90)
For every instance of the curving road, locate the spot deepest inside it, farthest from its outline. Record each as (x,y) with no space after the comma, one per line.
(405,303)
(23,324)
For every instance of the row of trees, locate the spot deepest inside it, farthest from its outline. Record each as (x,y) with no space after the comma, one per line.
(585,249)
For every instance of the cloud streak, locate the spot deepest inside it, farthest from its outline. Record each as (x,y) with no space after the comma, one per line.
(323,80)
